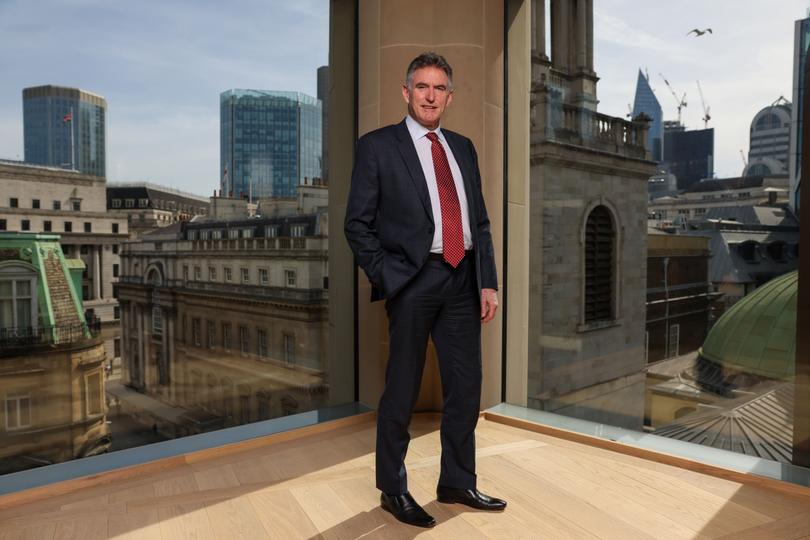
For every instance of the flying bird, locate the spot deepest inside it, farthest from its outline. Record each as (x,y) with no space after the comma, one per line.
(699,32)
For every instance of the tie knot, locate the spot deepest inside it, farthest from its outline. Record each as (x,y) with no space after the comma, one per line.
(432,136)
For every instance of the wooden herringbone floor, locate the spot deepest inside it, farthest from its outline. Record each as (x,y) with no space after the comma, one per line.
(322,486)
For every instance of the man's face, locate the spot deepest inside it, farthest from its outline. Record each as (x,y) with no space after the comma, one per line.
(428,96)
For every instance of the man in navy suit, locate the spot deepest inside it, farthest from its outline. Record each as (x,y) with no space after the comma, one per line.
(418,227)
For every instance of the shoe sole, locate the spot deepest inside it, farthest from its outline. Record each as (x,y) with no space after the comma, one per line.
(454,501)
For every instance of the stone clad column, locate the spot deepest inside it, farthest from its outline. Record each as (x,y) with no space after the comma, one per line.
(589,36)
(96,272)
(559,34)
(581,25)
(540,28)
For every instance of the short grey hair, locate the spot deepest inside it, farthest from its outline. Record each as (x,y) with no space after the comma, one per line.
(428,59)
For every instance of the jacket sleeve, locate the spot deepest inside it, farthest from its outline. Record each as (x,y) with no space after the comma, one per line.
(360,225)
(489,273)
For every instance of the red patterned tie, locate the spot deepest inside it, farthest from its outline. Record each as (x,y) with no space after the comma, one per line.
(452,232)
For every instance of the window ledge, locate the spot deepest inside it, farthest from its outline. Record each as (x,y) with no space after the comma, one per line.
(598,325)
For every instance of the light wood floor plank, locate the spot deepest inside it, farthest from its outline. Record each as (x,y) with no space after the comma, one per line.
(31,532)
(135,526)
(282,516)
(322,486)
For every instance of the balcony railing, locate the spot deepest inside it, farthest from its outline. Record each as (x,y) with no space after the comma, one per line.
(591,129)
(21,337)
(265,292)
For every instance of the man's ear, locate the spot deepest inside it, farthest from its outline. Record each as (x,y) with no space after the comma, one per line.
(406,94)
(449,98)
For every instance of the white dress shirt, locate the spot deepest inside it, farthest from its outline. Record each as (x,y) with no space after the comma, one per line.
(423,150)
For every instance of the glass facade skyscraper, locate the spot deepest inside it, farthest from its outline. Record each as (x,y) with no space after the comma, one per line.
(270,141)
(646,102)
(65,127)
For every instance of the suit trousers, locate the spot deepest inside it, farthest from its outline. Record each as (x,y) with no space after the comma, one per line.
(441,302)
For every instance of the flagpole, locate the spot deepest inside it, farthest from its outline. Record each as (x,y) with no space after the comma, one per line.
(72,147)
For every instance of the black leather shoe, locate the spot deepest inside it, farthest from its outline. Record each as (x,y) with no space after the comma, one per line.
(471,497)
(407,510)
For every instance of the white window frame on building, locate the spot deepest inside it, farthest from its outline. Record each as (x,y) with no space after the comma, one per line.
(143,203)
(129,203)
(211,337)
(290,277)
(196,331)
(116,203)
(288,342)
(244,340)
(197,273)
(227,274)
(212,273)
(245,273)
(93,401)
(261,343)
(298,230)
(264,276)
(20,421)
(673,340)
(233,234)
(14,273)
(226,336)
(247,233)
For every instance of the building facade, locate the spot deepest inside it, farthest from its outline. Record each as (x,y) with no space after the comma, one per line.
(150,206)
(721,198)
(65,127)
(769,150)
(270,142)
(679,294)
(74,206)
(51,358)
(688,154)
(225,321)
(646,102)
(801,42)
(587,245)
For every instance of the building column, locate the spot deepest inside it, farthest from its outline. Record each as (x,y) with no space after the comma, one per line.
(540,28)
(139,381)
(96,272)
(559,34)
(581,29)
(589,36)
(170,337)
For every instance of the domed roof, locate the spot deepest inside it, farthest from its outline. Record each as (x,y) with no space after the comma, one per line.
(757,335)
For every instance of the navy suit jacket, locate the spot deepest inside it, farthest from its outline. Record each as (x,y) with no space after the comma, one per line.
(389,219)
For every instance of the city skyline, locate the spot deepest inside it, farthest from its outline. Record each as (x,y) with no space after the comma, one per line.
(163,70)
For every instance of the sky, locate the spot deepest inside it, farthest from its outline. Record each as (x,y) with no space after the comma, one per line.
(161,66)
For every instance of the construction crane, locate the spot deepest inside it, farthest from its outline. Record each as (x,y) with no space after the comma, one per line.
(706,115)
(681,101)
(629,111)
(742,155)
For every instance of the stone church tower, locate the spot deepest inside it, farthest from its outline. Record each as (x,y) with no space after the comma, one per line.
(588,229)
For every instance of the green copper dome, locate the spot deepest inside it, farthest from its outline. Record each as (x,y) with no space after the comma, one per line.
(758,334)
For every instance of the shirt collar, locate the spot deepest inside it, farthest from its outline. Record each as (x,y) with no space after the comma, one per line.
(418,131)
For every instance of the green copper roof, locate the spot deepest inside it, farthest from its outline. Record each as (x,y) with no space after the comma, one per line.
(758,334)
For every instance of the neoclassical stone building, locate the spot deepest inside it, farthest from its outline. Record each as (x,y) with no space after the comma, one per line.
(587,232)
(225,321)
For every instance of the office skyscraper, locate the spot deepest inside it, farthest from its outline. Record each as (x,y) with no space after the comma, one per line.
(689,155)
(270,141)
(65,127)
(768,153)
(801,41)
(323,95)
(646,102)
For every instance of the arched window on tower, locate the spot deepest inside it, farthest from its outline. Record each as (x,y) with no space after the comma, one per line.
(599,265)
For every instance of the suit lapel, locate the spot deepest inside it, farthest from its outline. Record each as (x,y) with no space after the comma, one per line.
(465,165)
(409,155)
